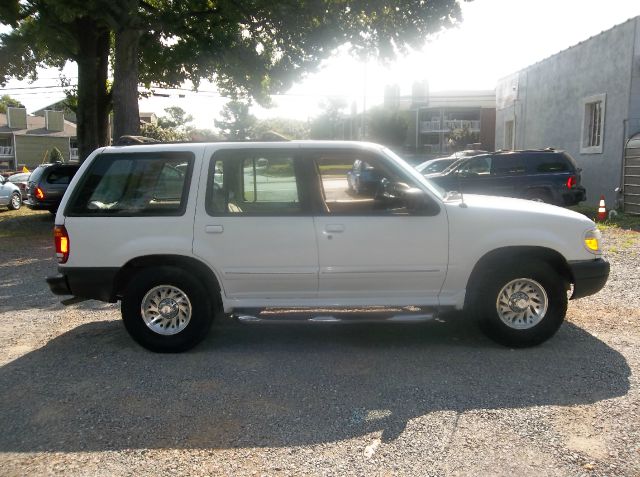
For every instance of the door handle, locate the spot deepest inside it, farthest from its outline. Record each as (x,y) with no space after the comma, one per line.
(334,228)
(214,229)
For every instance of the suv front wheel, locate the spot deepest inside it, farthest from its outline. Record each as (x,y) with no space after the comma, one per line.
(166,310)
(522,306)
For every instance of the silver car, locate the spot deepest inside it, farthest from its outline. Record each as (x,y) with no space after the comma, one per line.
(20,179)
(10,195)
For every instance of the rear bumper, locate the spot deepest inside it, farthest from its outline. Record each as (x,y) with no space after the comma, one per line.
(58,285)
(589,276)
(91,283)
(574,196)
(35,205)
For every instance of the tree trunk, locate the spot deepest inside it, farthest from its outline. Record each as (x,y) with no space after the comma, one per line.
(126,116)
(87,131)
(103,96)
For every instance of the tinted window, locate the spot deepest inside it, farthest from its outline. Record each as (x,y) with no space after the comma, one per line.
(37,174)
(253,182)
(134,184)
(545,163)
(507,165)
(61,175)
(478,166)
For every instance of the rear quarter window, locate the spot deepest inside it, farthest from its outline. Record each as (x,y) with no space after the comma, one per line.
(61,175)
(547,163)
(36,174)
(135,184)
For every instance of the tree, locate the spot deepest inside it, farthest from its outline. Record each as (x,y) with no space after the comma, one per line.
(163,134)
(52,32)
(248,47)
(55,155)
(387,127)
(7,101)
(289,128)
(460,138)
(176,117)
(330,124)
(237,122)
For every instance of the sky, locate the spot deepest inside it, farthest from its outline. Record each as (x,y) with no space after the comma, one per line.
(494,39)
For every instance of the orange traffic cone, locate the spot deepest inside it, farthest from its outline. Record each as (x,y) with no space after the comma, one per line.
(602,210)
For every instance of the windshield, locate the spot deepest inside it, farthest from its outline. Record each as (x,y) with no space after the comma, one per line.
(437,190)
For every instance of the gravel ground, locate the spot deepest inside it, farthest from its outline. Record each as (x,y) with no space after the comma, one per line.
(79,397)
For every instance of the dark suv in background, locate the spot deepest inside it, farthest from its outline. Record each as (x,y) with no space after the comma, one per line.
(47,184)
(545,175)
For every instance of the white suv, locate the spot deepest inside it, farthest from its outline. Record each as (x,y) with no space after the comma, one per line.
(181,233)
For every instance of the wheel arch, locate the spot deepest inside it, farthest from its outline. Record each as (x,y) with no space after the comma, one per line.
(190,264)
(503,256)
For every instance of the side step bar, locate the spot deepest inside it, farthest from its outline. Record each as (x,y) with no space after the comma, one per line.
(374,315)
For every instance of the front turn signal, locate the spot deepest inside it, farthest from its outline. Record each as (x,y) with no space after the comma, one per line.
(592,240)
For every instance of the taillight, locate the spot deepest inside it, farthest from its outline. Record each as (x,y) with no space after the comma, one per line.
(61,239)
(39,194)
(571,182)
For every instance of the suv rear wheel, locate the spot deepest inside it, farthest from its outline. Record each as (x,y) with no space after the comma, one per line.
(166,310)
(522,306)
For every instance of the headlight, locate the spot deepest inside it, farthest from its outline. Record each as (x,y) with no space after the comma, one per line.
(592,241)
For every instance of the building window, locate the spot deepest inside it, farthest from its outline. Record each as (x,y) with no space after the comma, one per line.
(593,124)
(508,135)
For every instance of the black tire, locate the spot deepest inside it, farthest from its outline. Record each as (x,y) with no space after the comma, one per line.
(486,312)
(201,299)
(16,201)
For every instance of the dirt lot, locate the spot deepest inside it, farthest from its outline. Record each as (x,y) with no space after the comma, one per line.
(79,397)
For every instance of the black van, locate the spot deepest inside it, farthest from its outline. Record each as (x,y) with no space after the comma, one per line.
(545,175)
(47,184)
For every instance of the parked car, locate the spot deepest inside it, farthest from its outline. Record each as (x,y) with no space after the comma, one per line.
(180,248)
(434,166)
(47,184)
(362,177)
(20,179)
(544,175)
(9,194)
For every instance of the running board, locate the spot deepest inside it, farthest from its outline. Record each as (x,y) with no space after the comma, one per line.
(338,316)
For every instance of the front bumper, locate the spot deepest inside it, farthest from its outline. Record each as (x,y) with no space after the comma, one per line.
(589,276)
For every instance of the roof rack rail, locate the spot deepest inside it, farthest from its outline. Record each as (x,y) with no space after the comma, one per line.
(131,140)
(269,136)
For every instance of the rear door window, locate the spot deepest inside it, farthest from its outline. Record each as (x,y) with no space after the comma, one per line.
(144,184)
(254,182)
(507,165)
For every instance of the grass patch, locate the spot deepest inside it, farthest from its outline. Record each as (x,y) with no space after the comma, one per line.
(24,223)
(620,221)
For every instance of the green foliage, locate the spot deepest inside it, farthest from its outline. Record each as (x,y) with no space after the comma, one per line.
(387,127)
(203,135)
(55,155)
(289,128)
(176,117)
(163,134)
(237,123)
(330,123)
(7,101)
(460,138)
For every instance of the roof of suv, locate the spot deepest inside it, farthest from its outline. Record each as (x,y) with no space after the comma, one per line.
(198,146)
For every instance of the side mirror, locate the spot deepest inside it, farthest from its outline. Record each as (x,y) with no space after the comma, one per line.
(418,202)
